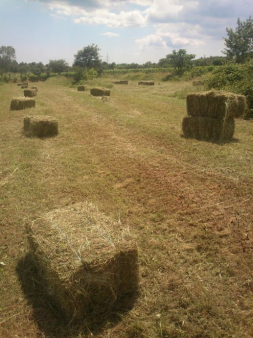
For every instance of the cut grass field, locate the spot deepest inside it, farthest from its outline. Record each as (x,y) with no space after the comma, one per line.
(187,203)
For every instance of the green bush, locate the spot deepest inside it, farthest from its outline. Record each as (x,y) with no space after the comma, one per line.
(32,77)
(236,78)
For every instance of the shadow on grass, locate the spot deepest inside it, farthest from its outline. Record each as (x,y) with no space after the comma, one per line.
(49,318)
(233,140)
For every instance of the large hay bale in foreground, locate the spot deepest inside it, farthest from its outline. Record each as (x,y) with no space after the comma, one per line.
(22,103)
(82,88)
(100,92)
(146,83)
(207,128)
(30,92)
(40,126)
(215,104)
(88,262)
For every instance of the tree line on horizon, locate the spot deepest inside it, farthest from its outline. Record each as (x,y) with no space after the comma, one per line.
(238,48)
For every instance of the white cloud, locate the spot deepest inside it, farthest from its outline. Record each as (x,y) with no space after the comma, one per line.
(110,34)
(103,17)
(151,41)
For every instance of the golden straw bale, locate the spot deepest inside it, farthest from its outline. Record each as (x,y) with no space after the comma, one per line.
(215,104)
(88,261)
(82,88)
(207,128)
(40,126)
(34,88)
(146,83)
(121,82)
(100,92)
(22,103)
(30,93)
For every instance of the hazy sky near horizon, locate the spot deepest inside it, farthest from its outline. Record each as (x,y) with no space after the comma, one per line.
(126,31)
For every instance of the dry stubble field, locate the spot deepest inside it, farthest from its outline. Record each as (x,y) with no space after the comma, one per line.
(187,203)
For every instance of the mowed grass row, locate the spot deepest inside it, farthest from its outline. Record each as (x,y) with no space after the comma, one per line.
(187,203)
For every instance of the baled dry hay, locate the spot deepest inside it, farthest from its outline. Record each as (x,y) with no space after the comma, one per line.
(146,83)
(22,103)
(30,93)
(215,104)
(34,88)
(24,85)
(82,88)
(88,261)
(100,92)
(40,126)
(121,82)
(207,128)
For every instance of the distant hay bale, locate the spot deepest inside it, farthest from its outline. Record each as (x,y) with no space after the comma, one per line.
(34,88)
(22,103)
(82,88)
(215,104)
(40,126)
(87,261)
(121,82)
(30,93)
(24,85)
(207,128)
(146,83)
(100,92)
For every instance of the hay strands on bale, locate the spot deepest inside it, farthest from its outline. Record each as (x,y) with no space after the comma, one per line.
(40,126)
(207,128)
(30,92)
(216,104)
(22,103)
(100,92)
(87,261)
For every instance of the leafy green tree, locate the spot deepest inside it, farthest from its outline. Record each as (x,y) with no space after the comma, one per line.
(57,66)
(88,58)
(239,43)
(180,60)
(7,57)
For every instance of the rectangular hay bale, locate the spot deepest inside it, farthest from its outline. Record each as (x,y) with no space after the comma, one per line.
(87,260)
(40,126)
(215,104)
(30,92)
(146,83)
(121,82)
(100,92)
(81,88)
(22,103)
(207,128)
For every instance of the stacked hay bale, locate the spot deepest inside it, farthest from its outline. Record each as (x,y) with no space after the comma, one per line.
(40,126)
(30,92)
(146,83)
(22,103)
(86,260)
(211,115)
(100,92)
(82,88)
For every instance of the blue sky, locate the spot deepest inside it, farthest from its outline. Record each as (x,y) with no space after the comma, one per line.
(126,31)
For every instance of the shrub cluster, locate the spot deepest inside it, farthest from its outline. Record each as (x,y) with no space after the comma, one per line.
(236,78)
